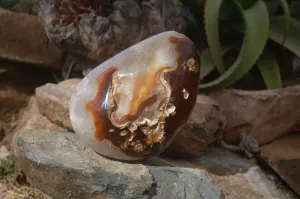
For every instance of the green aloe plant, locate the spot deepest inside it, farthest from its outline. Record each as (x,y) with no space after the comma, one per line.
(249,28)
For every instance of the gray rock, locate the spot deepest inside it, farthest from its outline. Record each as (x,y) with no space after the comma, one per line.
(215,160)
(183,183)
(58,165)
(100,37)
(180,184)
(61,167)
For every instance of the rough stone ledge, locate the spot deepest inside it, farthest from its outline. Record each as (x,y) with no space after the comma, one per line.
(264,115)
(62,168)
(53,102)
(58,165)
(283,155)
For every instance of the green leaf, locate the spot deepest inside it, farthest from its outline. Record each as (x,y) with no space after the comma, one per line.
(177,2)
(287,15)
(256,34)
(24,6)
(8,3)
(6,167)
(277,32)
(201,2)
(207,63)
(211,19)
(270,71)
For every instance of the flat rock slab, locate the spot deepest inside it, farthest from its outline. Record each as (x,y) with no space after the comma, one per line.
(24,39)
(215,160)
(58,165)
(283,155)
(62,168)
(186,183)
(181,183)
(264,115)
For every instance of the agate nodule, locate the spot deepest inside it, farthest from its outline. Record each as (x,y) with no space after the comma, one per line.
(133,105)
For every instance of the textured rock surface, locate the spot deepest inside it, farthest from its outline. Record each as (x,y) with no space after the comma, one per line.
(283,155)
(62,168)
(69,83)
(33,47)
(186,183)
(53,102)
(264,115)
(32,119)
(101,37)
(203,128)
(181,183)
(215,160)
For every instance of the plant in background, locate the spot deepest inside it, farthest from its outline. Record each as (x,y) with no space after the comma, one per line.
(8,3)
(6,167)
(18,5)
(246,35)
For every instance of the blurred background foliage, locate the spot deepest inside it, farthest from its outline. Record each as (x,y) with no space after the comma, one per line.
(246,44)
(25,6)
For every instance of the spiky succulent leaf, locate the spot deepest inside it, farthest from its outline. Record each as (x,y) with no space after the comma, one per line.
(269,68)
(256,22)
(292,39)
(287,15)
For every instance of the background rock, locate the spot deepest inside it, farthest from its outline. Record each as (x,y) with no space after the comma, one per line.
(15,92)
(204,127)
(69,83)
(33,47)
(264,115)
(126,23)
(283,155)
(32,119)
(53,102)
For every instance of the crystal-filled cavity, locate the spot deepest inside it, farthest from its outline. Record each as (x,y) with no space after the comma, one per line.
(133,105)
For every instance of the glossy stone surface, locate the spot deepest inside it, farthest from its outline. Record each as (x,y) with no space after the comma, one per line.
(133,105)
